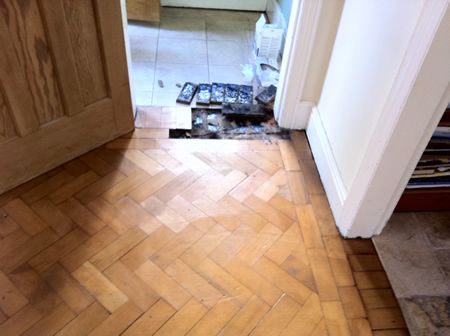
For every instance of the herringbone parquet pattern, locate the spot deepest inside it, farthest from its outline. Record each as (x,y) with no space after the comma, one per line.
(177,237)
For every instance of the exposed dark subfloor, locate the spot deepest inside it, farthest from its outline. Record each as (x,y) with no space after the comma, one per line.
(212,124)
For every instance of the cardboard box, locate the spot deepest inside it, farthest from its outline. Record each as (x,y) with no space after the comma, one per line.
(268,39)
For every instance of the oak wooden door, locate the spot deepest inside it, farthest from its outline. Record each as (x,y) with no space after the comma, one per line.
(64,86)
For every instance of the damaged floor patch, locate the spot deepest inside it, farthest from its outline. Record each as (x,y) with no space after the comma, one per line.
(209,123)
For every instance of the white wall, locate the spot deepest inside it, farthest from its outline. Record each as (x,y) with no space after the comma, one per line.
(370,45)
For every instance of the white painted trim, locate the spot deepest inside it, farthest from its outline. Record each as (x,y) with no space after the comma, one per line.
(403,128)
(299,116)
(300,38)
(326,163)
(250,5)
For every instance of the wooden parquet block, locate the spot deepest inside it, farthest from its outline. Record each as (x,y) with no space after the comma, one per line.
(247,318)
(72,293)
(163,284)
(84,218)
(25,217)
(215,319)
(21,321)
(307,317)
(152,320)
(54,217)
(196,285)
(53,322)
(118,321)
(86,321)
(223,281)
(99,286)
(156,236)
(183,320)
(131,285)
(278,317)
(12,299)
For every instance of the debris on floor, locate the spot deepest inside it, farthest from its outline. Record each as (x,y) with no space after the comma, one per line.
(267,95)
(204,94)
(217,93)
(248,72)
(187,93)
(245,94)
(268,38)
(267,72)
(231,93)
(234,121)
(160,83)
(253,112)
(232,111)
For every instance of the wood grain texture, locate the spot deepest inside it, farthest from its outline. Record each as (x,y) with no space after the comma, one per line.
(28,67)
(58,35)
(84,37)
(7,129)
(144,10)
(132,253)
(63,73)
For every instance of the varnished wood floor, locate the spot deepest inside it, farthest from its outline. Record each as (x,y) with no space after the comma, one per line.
(176,237)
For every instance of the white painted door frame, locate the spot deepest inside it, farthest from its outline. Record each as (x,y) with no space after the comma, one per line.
(309,43)
(408,119)
(291,111)
(414,107)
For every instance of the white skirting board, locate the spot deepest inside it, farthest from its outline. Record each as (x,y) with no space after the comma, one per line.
(327,166)
(249,5)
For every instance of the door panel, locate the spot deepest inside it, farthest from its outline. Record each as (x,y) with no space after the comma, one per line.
(83,35)
(63,83)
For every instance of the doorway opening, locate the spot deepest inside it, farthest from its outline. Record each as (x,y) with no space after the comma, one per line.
(205,46)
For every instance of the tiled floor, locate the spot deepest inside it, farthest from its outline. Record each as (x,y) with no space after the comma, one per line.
(195,45)
(415,250)
(156,236)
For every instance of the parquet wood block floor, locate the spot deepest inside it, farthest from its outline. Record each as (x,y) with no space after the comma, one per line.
(150,236)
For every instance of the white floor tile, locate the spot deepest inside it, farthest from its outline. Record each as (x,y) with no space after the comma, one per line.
(171,74)
(182,51)
(227,74)
(142,76)
(143,98)
(226,30)
(136,28)
(183,28)
(166,99)
(143,48)
(227,53)
(197,45)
